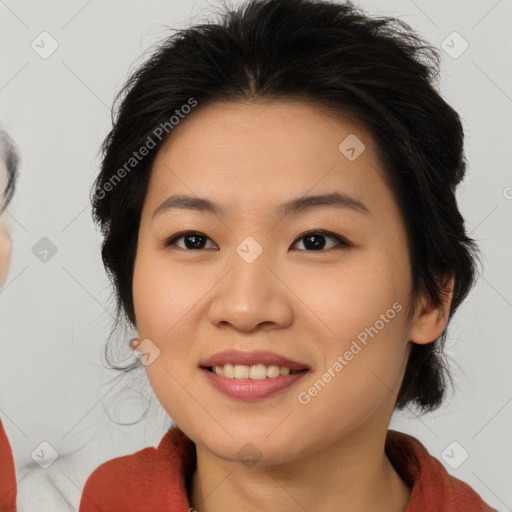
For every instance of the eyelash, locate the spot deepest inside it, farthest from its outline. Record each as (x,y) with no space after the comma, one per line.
(342,243)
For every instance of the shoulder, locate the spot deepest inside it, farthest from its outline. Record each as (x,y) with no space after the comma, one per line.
(111,482)
(433,488)
(148,480)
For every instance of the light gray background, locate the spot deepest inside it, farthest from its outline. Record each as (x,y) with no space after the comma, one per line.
(55,316)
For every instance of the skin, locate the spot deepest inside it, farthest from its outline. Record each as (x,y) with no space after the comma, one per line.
(306,305)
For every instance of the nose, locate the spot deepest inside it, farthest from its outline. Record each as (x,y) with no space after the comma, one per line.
(252,296)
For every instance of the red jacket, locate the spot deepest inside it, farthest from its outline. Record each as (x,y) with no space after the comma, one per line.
(153,479)
(7,475)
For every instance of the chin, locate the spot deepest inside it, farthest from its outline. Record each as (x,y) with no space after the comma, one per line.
(251,446)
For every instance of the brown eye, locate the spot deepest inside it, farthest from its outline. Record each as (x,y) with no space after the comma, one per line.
(193,240)
(315,240)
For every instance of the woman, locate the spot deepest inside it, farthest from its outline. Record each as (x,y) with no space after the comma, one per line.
(8,170)
(277,197)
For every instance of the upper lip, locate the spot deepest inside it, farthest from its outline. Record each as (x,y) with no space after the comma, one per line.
(251,358)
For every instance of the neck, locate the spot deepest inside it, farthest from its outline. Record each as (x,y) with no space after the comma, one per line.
(354,475)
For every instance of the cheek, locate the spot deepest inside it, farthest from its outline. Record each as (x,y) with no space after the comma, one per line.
(167,302)
(363,310)
(352,297)
(162,299)
(163,294)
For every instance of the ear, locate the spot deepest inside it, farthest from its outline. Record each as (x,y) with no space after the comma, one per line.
(429,319)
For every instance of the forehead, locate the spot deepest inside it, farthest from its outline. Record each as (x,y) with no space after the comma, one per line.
(272,127)
(266,148)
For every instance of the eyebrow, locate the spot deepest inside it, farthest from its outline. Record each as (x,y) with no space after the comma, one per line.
(294,206)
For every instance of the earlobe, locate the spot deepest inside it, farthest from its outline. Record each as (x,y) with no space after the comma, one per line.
(430,319)
(134,343)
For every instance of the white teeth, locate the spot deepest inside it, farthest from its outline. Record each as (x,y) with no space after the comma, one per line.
(273,371)
(254,372)
(228,370)
(258,371)
(241,372)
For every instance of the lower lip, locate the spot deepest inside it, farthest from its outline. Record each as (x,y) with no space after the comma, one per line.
(251,389)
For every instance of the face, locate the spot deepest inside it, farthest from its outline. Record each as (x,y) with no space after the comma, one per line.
(309,285)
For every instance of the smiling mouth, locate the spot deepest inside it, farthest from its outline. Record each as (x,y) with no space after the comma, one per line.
(252,383)
(254,372)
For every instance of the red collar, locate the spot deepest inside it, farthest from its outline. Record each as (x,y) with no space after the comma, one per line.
(156,479)
(433,488)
